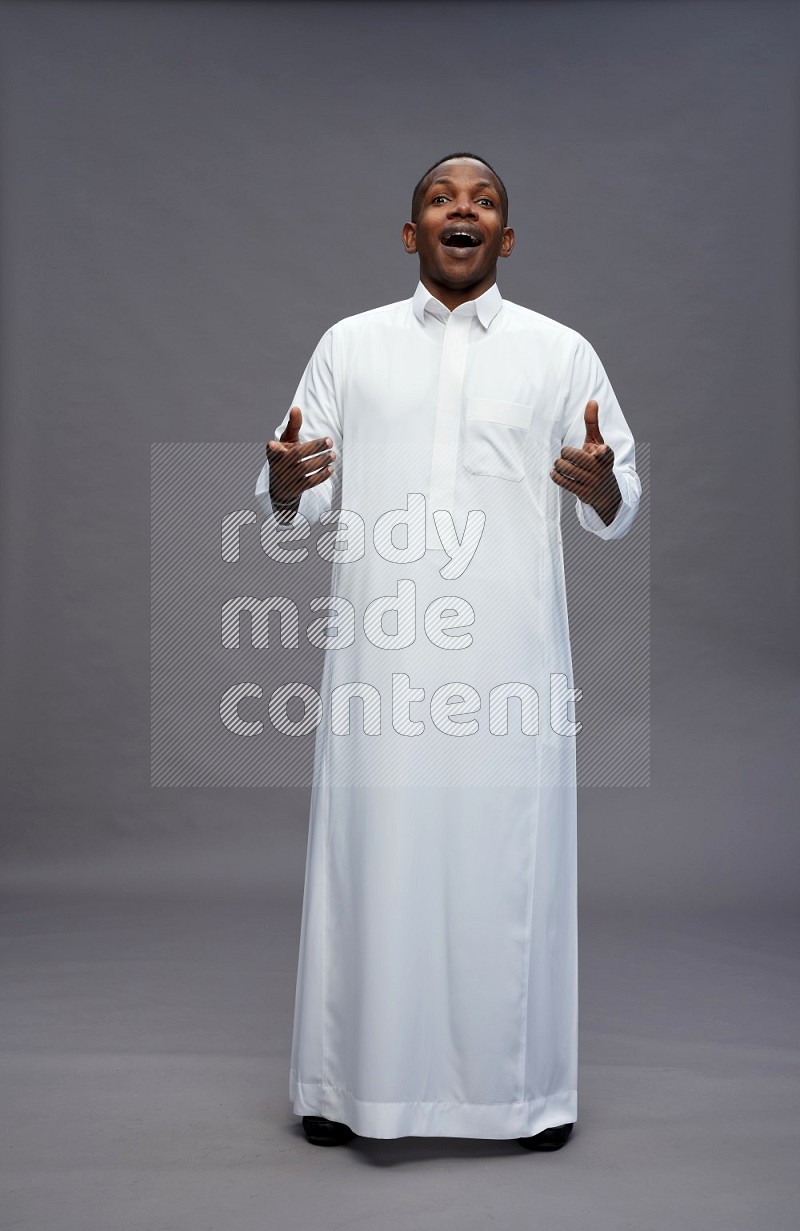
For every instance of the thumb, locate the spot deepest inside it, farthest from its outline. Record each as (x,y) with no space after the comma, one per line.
(291,432)
(592,427)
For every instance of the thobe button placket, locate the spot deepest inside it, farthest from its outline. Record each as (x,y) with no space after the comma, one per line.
(444,460)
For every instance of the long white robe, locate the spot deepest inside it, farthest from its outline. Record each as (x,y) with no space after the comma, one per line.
(437,989)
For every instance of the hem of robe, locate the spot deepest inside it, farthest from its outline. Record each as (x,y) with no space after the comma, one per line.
(494,1121)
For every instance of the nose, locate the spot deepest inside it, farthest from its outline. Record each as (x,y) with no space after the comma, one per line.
(462,207)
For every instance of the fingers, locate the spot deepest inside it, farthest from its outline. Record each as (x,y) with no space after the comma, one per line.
(277,447)
(298,460)
(582,466)
(313,446)
(568,471)
(291,432)
(293,483)
(594,443)
(590,419)
(587,458)
(602,454)
(294,467)
(308,465)
(578,457)
(593,487)
(319,477)
(578,489)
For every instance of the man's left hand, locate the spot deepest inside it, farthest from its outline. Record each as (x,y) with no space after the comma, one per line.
(588,472)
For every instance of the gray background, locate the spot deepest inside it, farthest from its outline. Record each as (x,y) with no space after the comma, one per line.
(191,194)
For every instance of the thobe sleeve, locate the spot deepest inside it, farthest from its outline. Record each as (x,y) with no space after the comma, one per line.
(318,400)
(587,380)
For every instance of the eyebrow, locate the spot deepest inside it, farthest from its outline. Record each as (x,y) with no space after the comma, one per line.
(444,180)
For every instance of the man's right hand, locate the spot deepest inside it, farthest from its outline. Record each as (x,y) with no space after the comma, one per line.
(296,466)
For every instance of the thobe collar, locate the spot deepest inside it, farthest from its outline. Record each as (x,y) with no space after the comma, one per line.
(485,307)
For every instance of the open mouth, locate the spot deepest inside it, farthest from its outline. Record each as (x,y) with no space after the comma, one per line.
(461,239)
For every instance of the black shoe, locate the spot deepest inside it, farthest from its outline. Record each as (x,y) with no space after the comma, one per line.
(322,1132)
(548,1139)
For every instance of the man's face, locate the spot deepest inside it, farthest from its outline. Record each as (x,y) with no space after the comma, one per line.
(459,233)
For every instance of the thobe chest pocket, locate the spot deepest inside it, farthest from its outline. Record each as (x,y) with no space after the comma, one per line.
(495,435)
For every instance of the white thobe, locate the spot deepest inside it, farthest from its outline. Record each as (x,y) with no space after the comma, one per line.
(437,990)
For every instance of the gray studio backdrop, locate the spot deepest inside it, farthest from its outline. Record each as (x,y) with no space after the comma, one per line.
(193,193)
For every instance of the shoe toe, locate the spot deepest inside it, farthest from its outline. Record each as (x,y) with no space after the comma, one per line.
(549,1138)
(323,1132)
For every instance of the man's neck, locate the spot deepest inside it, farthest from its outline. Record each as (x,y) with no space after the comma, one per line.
(452,298)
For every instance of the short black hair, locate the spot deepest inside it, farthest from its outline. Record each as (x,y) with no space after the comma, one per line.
(419,191)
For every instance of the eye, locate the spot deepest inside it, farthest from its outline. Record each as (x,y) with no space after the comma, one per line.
(486,201)
(441,197)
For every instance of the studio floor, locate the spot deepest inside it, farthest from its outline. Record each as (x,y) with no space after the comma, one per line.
(145,1057)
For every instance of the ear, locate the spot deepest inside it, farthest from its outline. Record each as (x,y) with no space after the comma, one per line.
(507,242)
(410,237)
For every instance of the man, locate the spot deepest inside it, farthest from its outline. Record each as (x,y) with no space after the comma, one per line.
(437,977)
